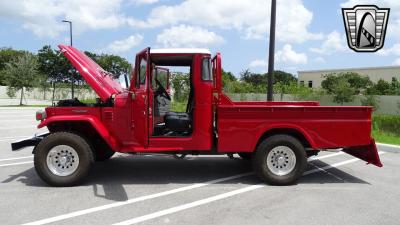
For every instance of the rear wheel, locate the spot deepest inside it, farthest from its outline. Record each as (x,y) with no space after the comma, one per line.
(63,159)
(280,160)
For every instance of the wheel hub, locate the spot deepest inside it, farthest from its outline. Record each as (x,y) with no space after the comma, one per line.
(62,160)
(281,160)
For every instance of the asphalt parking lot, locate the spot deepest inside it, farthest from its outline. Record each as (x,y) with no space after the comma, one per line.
(336,189)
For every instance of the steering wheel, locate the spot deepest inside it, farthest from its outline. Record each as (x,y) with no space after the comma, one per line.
(162,89)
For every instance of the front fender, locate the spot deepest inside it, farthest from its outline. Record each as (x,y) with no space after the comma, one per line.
(94,121)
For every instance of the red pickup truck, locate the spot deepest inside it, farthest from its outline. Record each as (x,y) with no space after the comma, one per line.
(276,136)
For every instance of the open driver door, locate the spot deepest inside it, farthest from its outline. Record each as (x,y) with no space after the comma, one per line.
(140,99)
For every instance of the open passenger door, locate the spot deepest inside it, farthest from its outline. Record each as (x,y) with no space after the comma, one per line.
(100,80)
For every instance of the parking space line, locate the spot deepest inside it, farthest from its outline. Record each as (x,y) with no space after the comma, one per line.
(17,127)
(14,138)
(134,200)
(336,165)
(325,156)
(218,197)
(13,164)
(327,172)
(15,117)
(190,205)
(9,159)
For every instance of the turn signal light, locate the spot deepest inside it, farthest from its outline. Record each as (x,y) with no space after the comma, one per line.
(40,115)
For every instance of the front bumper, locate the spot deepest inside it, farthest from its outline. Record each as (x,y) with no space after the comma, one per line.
(33,141)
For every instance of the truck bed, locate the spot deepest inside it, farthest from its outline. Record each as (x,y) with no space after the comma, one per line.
(242,124)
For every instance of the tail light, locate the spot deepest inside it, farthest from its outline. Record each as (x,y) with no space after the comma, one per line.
(41,115)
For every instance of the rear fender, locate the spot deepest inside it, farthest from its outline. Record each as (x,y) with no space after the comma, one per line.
(96,123)
(367,153)
(283,129)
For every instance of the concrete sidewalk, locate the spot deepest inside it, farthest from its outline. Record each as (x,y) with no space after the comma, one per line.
(15,102)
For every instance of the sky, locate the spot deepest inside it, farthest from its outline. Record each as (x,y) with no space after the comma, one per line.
(310,33)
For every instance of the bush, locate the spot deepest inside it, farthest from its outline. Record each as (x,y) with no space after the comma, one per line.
(370,100)
(178,106)
(387,123)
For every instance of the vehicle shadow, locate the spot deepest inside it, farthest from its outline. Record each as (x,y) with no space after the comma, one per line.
(108,178)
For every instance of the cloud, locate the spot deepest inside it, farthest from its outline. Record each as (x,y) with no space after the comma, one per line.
(188,36)
(43,17)
(144,2)
(289,56)
(396,62)
(394,50)
(250,18)
(121,46)
(334,42)
(319,60)
(258,63)
(285,56)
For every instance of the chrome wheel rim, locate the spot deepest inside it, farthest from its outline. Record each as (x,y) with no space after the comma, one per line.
(62,160)
(281,160)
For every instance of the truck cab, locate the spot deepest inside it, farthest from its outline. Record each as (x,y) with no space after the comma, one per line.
(277,136)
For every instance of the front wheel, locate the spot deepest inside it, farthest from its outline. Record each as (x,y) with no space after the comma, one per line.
(63,159)
(280,160)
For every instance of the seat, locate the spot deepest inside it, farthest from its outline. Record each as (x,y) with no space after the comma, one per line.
(178,122)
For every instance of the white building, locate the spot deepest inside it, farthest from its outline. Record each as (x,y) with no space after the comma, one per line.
(314,78)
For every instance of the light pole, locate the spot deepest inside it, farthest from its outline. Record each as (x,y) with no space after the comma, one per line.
(271,61)
(70,38)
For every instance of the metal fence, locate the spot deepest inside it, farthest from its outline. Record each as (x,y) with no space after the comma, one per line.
(386,104)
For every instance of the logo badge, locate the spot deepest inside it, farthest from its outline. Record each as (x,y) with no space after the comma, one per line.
(365,27)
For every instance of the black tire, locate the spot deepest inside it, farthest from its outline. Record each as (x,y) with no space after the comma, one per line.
(77,143)
(261,168)
(245,155)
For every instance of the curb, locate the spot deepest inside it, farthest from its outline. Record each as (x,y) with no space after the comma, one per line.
(389,145)
(22,108)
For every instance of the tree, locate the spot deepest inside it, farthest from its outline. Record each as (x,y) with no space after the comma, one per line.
(356,81)
(370,100)
(114,64)
(53,66)
(330,82)
(7,55)
(21,74)
(283,77)
(382,87)
(395,87)
(181,86)
(343,92)
(43,84)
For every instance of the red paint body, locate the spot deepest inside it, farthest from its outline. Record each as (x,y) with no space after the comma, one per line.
(126,125)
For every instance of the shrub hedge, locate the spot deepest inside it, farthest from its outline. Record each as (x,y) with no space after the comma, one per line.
(387,123)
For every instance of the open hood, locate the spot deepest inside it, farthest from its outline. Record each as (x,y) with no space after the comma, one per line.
(100,80)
